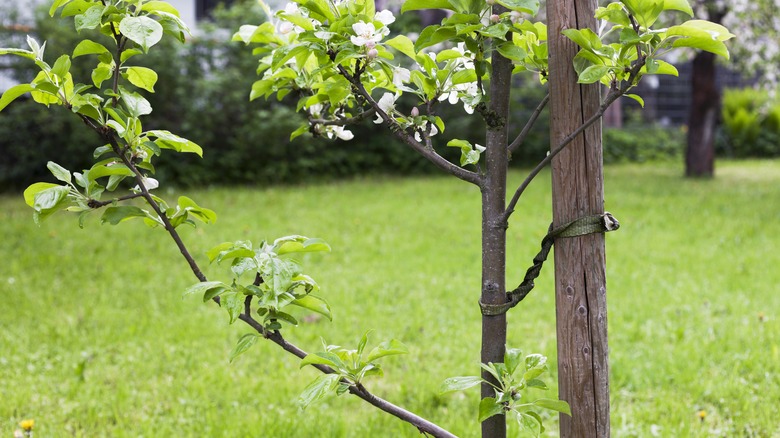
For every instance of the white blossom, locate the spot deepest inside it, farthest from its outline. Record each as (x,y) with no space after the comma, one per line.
(366,35)
(149,183)
(429,128)
(401,76)
(385,17)
(339,132)
(386,104)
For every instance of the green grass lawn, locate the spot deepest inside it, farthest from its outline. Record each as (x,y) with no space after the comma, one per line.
(97,341)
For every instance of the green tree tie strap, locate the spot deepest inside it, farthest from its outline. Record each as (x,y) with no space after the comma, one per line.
(598,223)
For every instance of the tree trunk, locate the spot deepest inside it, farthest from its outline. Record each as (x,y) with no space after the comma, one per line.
(494,228)
(580,284)
(705,101)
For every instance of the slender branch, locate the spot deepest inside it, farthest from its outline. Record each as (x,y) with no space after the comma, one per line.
(342,122)
(614,94)
(423,425)
(528,125)
(97,204)
(395,128)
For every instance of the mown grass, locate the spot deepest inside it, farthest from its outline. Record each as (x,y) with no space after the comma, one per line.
(97,341)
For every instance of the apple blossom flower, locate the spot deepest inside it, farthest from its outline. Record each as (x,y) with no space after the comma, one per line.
(386,104)
(385,17)
(430,130)
(366,35)
(401,76)
(339,132)
(149,183)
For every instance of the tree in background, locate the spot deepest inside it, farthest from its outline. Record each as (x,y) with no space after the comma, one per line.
(757,22)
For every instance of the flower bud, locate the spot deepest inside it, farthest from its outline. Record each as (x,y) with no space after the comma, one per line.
(373,53)
(415,112)
(495,18)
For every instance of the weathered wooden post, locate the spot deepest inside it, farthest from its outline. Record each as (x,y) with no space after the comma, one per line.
(578,190)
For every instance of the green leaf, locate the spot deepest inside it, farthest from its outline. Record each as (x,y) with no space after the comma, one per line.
(510,51)
(61,66)
(328,359)
(160,6)
(530,422)
(592,74)
(488,408)
(102,73)
(90,19)
(403,44)
(135,104)
(318,389)
(527,6)
(167,140)
(18,52)
(204,287)
(13,93)
(701,34)
(299,244)
(314,304)
(203,214)
(50,198)
(89,47)
(141,77)
(55,5)
(143,31)
(415,5)
(678,5)
(58,171)
(636,98)
(34,189)
(459,383)
(115,215)
(512,358)
(554,405)
(387,348)
(244,343)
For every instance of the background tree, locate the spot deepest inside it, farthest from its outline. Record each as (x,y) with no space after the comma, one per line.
(756,53)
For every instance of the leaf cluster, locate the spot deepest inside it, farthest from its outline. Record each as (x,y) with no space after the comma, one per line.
(349,367)
(509,380)
(277,281)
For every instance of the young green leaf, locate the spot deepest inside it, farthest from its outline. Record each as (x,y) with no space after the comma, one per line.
(141,77)
(34,189)
(414,5)
(387,348)
(555,405)
(204,287)
(244,343)
(459,383)
(115,215)
(58,171)
(143,31)
(13,93)
(318,389)
(488,408)
(314,304)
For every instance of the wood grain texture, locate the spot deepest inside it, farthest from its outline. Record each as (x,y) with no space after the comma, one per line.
(578,190)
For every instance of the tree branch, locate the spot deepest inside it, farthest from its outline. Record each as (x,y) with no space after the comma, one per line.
(98,204)
(423,425)
(528,125)
(342,122)
(395,128)
(614,94)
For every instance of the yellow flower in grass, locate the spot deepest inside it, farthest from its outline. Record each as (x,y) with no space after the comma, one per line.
(27,425)
(702,414)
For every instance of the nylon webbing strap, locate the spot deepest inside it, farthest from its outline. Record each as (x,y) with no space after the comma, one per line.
(599,223)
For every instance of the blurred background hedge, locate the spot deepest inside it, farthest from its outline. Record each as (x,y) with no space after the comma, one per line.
(202,94)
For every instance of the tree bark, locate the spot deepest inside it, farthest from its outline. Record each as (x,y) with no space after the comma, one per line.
(580,284)
(494,228)
(705,101)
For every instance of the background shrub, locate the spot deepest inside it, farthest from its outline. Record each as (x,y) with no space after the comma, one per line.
(751,124)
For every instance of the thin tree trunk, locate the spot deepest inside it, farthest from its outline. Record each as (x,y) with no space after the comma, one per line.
(581,309)
(705,101)
(494,228)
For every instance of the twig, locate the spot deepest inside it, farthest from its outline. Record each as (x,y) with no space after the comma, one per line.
(614,94)
(395,128)
(97,204)
(528,125)
(420,423)
(342,122)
